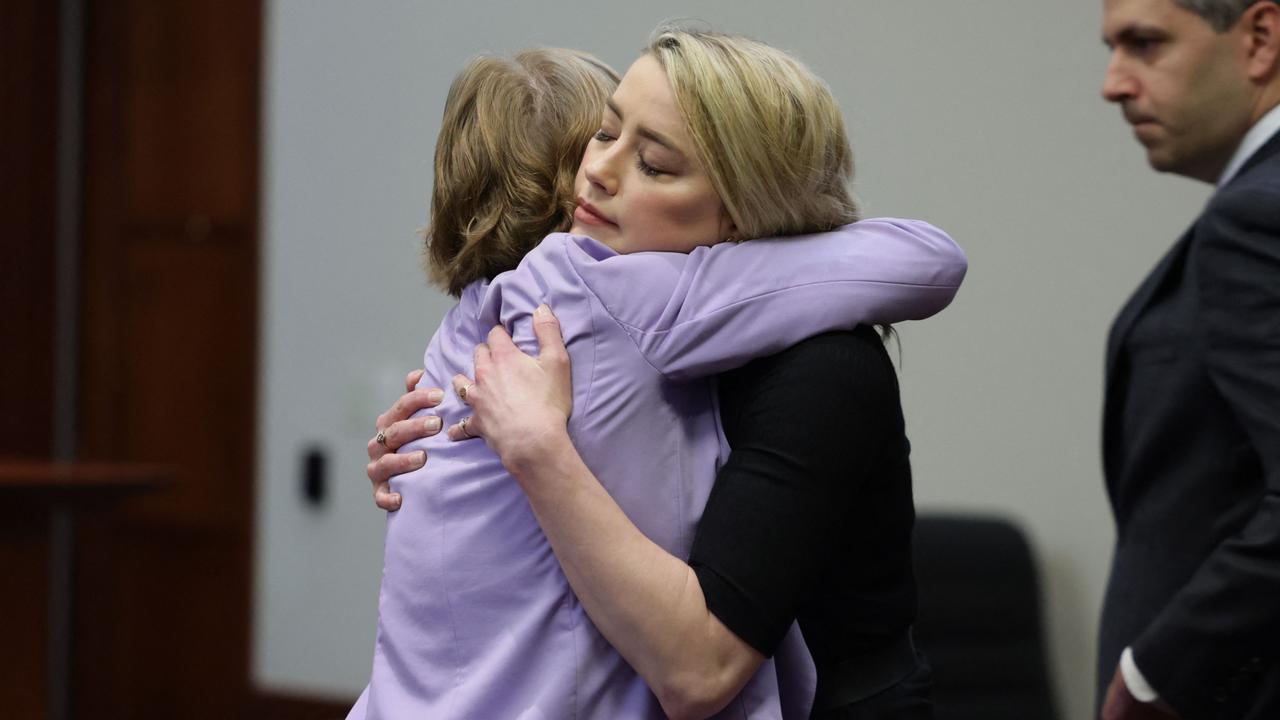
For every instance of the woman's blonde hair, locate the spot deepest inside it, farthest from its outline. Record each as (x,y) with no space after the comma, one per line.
(767,130)
(513,135)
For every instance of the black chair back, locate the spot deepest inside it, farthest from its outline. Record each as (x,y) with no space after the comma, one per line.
(980,619)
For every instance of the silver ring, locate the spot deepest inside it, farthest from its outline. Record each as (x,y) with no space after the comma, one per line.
(462,392)
(381,438)
(462,427)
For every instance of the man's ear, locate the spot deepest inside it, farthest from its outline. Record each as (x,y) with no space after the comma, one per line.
(1262,22)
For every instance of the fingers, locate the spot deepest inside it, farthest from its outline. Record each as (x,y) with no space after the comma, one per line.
(464,387)
(482,359)
(408,404)
(499,341)
(401,433)
(469,428)
(411,380)
(381,470)
(384,498)
(546,327)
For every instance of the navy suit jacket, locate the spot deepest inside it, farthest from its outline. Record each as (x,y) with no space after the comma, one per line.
(1191,450)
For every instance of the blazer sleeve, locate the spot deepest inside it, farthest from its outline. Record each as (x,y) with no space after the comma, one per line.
(1210,642)
(718,307)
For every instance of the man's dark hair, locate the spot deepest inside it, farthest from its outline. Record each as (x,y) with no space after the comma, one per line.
(1220,14)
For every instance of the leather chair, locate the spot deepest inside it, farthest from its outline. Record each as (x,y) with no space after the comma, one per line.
(980,620)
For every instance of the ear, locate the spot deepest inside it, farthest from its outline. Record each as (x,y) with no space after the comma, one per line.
(1262,23)
(728,230)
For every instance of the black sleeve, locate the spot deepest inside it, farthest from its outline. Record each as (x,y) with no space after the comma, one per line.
(807,428)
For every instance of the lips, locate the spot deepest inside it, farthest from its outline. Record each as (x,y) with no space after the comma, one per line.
(587,213)
(1134,118)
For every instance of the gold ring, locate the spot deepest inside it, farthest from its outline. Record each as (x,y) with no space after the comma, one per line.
(462,427)
(462,392)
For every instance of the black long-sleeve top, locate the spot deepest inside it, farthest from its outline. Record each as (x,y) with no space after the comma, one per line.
(811,516)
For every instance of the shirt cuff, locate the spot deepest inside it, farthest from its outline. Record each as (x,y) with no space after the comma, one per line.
(1139,688)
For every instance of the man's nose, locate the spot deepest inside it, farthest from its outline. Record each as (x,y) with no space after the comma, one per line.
(1117,83)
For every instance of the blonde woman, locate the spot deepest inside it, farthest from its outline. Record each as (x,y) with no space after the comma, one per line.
(476,616)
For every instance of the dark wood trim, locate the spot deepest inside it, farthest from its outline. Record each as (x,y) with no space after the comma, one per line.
(28,200)
(29,77)
(277,706)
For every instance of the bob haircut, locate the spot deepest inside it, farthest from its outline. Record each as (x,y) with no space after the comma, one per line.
(512,138)
(768,131)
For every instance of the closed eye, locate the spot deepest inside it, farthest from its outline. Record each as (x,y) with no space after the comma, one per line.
(645,167)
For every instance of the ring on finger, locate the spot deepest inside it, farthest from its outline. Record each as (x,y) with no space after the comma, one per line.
(462,427)
(381,438)
(462,392)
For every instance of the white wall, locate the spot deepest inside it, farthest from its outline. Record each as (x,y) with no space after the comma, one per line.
(983,117)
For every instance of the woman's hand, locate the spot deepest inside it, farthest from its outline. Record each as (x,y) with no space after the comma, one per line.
(395,428)
(520,403)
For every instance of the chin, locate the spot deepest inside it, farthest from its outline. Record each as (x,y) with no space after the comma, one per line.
(1161,161)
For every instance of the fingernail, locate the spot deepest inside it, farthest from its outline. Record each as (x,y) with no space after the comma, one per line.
(420,458)
(543,310)
(433,423)
(395,500)
(436,395)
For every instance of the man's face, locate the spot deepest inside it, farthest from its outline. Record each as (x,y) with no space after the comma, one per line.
(1182,86)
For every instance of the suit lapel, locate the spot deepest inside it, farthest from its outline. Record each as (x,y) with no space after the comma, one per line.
(1141,299)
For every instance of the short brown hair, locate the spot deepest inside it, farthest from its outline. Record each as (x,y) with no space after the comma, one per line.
(1220,14)
(513,135)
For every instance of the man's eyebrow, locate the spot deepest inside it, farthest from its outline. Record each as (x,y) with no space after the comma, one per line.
(645,132)
(1135,31)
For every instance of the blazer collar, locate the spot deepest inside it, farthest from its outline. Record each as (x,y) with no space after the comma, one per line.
(1141,298)
(1269,150)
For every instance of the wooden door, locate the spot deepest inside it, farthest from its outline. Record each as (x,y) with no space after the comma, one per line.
(169,309)
(28,156)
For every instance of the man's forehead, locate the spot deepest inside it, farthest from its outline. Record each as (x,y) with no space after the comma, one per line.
(1126,16)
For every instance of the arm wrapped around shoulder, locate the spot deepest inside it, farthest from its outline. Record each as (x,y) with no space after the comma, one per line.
(721,306)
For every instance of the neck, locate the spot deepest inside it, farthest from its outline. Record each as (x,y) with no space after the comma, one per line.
(1267,99)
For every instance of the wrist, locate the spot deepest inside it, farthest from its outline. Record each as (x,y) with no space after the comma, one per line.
(536,455)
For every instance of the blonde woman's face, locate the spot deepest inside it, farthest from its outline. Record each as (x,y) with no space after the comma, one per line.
(641,185)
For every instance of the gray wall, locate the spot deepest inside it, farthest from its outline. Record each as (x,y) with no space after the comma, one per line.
(982,117)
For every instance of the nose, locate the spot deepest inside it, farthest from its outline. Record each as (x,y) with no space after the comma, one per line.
(600,168)
(1117,84)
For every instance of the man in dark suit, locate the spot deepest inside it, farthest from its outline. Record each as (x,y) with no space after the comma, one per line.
(1191,621)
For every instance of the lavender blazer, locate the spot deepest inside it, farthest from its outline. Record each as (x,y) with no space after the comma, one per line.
(476,619)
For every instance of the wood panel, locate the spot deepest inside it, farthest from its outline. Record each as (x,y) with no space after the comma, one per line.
(273,706)
(28,146)
(24,552)
(168,354)
(28,192)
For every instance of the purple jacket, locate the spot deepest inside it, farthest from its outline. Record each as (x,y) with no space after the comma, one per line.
(476,619)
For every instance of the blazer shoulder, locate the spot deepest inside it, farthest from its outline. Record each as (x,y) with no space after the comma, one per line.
(1251,201)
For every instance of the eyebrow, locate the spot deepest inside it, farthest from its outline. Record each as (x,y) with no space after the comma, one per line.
(1128,33)
(645,132)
